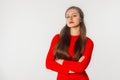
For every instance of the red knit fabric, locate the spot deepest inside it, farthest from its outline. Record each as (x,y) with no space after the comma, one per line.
(77,67)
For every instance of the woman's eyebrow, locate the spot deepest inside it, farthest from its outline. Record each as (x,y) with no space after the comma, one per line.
(72,13)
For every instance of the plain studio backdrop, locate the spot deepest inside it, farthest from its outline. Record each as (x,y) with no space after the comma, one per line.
(28,26)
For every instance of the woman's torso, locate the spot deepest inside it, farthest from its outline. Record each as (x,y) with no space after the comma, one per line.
(73,76)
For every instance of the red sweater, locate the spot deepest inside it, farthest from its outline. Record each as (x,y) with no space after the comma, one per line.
(77,67)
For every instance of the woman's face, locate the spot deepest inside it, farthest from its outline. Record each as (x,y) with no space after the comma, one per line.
(72,18)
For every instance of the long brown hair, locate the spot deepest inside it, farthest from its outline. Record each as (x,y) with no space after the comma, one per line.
(61,48)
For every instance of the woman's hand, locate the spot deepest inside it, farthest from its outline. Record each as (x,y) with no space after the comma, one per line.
(60,61)
(71,72)
(81,59)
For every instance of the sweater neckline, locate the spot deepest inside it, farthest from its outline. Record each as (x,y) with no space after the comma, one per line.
(74,35)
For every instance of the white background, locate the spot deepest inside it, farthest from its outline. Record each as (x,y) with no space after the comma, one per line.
(27,27)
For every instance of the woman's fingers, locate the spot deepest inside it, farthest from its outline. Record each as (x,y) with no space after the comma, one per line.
(81,59)
(60,61)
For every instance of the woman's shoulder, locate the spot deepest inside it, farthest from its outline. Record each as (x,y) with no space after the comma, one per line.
(55,38)
(89,40)
(56,35)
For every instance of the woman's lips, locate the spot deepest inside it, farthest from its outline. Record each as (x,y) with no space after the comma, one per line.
(71,22)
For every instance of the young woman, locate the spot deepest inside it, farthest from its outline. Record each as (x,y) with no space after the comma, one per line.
(70,51)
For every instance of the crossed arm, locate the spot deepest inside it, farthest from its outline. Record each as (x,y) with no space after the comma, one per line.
(65,66)
(60,61)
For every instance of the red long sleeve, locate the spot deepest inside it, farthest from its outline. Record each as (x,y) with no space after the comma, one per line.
(81,66)
(50,62)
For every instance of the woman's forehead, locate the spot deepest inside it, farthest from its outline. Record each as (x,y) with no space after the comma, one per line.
(72,11)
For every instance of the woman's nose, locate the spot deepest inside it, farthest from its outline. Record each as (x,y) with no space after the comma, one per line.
(71,17)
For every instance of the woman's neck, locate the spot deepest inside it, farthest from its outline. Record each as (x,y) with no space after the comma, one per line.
(75,31)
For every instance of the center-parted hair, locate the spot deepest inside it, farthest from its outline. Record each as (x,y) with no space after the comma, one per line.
(61,48)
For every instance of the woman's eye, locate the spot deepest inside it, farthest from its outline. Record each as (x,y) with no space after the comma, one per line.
(67,17)
(74,15)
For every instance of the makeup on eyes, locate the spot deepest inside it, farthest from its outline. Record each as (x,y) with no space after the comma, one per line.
(69,16)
